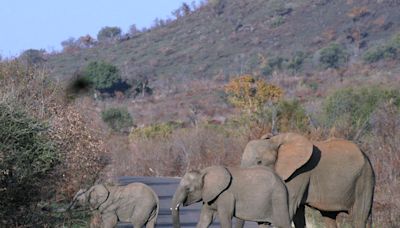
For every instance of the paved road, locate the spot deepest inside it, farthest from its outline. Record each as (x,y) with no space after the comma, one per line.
(165,189)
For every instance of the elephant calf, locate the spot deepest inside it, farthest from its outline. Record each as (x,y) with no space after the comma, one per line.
(253,194)
(136,203)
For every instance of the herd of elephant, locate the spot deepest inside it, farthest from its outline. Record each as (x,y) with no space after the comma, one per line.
(277,178)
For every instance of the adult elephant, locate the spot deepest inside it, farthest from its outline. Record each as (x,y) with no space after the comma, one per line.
(331,176)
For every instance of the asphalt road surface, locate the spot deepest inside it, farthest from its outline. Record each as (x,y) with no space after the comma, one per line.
(165,189)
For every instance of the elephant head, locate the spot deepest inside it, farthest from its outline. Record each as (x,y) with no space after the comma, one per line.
(195,186)
(285,153)
(93,197)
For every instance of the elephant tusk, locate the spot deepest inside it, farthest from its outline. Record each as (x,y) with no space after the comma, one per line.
(177,206)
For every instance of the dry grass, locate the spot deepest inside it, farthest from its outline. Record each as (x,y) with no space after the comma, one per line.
(184,149)
(383,149)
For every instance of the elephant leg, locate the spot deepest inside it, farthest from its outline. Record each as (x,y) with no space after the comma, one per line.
(206,217)
(152,222)
(109,220)
(225,207)
(263,225)
(299,219)
(140,217)
(329,218)
(239,223)
(138,224)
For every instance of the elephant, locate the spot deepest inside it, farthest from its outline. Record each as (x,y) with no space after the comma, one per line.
(331,176)
(136,203)
(254,194)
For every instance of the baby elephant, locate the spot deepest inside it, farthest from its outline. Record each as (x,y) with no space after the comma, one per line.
(136,203)
(252,194)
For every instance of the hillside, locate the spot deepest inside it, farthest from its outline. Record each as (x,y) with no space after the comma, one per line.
(197,53)
(207,43)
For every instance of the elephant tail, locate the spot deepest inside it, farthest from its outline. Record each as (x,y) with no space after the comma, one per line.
(364,194)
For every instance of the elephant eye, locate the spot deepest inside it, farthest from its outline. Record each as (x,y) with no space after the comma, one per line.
(259,162)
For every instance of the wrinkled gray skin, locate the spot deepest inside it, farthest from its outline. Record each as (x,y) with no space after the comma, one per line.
(253,194)
(135,203)
(331,176)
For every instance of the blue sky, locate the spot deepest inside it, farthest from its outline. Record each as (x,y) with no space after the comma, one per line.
(44,24)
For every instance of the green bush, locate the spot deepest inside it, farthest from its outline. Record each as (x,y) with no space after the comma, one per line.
(333,56)
(279,63)
(296,62)
(277,21)
(117,118)
(27,158)
(274,63)
(390,50)
(102,75)
(352,107)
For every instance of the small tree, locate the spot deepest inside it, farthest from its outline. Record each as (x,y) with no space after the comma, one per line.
(70,45)
(185,9)
(107,34)
(117,118)
(86,41)
(133,30)
(102,75)
(250,94)
(333,56)
(33,56)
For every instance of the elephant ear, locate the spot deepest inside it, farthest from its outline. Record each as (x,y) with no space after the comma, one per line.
(216,179)
(294,151)
(97,195)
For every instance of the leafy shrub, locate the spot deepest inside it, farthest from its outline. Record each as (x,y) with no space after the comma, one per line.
(82,150)
(277,21)
(33,57)
(291,116)
(391,50)
(117,118)
(274,63)
(351,108)
(333,56)
(155,130)
(108,34)
(278,63)
(27,158)
(102,75)
(251,94)
(296,62)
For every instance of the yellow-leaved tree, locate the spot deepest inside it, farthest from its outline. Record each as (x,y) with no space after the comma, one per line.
(252,94)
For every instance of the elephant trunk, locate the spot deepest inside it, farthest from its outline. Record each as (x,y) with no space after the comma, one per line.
(71,205)
(179,196)
(65,209)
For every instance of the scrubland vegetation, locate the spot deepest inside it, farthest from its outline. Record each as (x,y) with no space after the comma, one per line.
(151,105)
